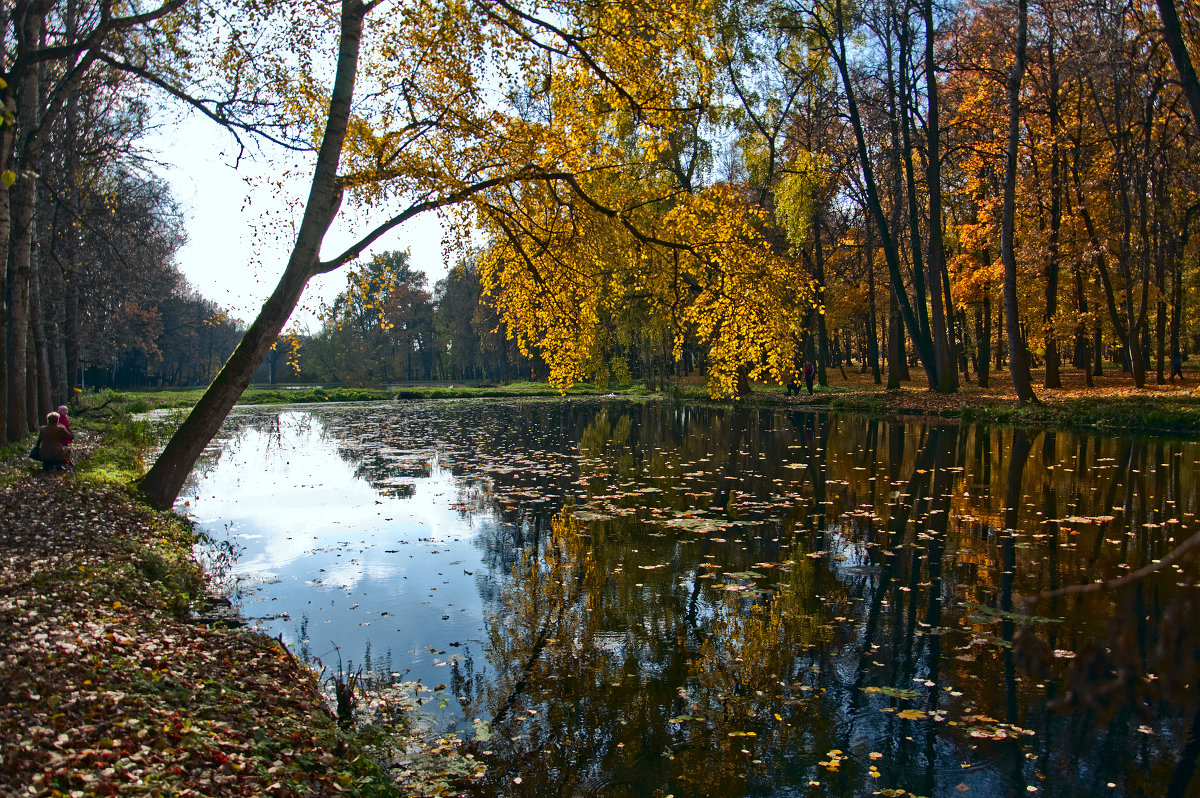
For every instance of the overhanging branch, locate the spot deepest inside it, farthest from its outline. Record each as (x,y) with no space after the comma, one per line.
(231,124)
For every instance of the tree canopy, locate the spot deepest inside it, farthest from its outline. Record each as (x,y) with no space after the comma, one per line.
(646,183)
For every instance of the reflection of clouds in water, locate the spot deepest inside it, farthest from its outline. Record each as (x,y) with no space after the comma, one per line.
(698,523)
(343,575)
(288,482)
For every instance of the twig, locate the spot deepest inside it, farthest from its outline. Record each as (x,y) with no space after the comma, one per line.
(84,411)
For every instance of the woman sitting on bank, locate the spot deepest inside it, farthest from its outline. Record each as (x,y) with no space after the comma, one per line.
(52,444)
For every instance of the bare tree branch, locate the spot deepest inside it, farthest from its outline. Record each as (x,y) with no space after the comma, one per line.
(202,105)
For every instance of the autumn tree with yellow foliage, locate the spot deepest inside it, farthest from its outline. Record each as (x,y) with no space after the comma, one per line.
(652,178)
(549,127)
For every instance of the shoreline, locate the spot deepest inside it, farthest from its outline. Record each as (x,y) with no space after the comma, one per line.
(113,682)
(109,681)
(1112,407)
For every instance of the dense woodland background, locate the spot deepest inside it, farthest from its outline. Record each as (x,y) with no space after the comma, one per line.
(864,146)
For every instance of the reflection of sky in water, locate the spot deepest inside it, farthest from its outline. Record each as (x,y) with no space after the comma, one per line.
(343,561)
(889,549)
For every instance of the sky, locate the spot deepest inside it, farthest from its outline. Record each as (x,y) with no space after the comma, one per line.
(241,218)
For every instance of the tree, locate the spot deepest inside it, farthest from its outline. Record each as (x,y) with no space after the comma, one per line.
(49,49)
(457,297)
(162,482)
(1018,366)
(426,133)
(835,25)
(379,323)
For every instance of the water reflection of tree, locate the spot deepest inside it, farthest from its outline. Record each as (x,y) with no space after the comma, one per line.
(584,707)
(923,540)
(912,564)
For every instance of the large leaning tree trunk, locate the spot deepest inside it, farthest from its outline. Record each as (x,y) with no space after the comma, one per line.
(1018,361)
(162,483)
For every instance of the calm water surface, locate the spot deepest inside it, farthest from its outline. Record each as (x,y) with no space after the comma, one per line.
(640,599)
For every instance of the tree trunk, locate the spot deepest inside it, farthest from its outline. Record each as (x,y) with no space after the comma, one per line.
(1053,379)
(872,312)
(1137,360)
(17,290)
(71,333)
(31,397)
(985,338)
(963,348)
(23,194)
(1160,279)
(1173,33)
(1001,349)
(1176,305)
(897,365)
(982,353)
(41,355)
(822,332)
(1050,340)
(1083,353)
(162,483)
(939,296)
(8,140)
(910,183)
(1018,364)
(1160,331)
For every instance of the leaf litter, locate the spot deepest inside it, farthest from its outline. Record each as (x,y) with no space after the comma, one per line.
(108,684)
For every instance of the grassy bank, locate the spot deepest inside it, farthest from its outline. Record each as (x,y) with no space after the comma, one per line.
(111,685)
(1111,406)
(141,401)
(1112,409)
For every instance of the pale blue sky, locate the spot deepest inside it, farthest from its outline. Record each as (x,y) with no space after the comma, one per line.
(240,225)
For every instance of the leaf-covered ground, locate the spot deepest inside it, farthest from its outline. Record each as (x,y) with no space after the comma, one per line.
(1112,404)
(106,688)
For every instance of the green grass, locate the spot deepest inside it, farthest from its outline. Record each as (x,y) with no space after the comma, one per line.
(121,456)
(112,404)
(1176,414)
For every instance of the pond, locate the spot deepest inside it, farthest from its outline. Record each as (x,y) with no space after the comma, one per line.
(642,599)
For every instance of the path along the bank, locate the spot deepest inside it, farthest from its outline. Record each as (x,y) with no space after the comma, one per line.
(106,687)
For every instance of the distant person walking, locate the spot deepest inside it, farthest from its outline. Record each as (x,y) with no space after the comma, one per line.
(1176,366)
(810,372)
(52,444)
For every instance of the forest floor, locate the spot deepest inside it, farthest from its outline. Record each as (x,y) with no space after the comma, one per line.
(110,685)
